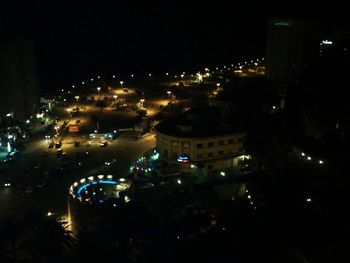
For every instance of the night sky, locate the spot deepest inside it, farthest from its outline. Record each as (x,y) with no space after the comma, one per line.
(77,42)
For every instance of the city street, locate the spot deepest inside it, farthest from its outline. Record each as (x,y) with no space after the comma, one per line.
(53,195)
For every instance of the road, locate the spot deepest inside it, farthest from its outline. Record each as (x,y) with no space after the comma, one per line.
(52,197)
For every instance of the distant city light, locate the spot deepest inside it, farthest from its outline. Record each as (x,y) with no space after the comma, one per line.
(98,77)
(113,76)
(308,200)
(223,174)
(309,158)
(92,79)
(327,42)
(302,154)
(320,162)
(179,181)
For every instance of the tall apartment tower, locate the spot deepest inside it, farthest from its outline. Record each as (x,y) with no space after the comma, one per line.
(19,88)
(292,49)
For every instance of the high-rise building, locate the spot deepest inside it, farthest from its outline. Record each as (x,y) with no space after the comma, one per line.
(19,89)
(292,49)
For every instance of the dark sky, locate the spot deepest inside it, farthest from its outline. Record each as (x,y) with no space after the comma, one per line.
(75,42)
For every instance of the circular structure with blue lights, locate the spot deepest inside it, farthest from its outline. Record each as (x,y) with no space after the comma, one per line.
(93,200)
(97,189)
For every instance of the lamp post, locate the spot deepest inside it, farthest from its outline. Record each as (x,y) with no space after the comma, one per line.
(169,93)
(141,102)
(115,97)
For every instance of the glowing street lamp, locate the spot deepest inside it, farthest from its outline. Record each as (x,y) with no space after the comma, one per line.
(132,75)
(150,75)
(141,102)
(121,83)
(113,76)
(169,93)
(92,79)
(115,97)
(218,85)
(98,77)
(98,89)
(83,82)
(77,98)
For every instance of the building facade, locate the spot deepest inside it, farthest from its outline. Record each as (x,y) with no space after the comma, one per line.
(292,49)
(204,138)
(211,153)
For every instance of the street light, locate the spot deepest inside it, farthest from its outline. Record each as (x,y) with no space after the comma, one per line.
(77,98)
(98,89)
(169,93)
(121,83)
(218,84)
(92,79)
(141,102)
(115,97)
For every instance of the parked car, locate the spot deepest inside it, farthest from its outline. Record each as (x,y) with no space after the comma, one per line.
(58,145)
(28,190)
(103,143)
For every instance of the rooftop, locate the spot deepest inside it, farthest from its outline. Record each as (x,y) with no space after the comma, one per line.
(202,121)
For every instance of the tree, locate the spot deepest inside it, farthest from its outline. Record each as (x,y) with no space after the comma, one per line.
(101,104)
(45,239)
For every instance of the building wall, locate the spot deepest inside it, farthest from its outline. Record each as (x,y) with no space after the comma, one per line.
(18,78)
(292,48)
(212,153)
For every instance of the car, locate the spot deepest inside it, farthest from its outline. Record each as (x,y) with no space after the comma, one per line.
(103,143)
(59,152)
(109,162)
(28,190)
(64,156)
(37,165)
(41,183)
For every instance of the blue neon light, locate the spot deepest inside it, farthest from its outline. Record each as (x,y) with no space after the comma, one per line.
(94,183)
(182,159)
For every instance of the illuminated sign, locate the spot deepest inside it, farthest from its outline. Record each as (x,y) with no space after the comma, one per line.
(326,42)
(183,159)
(73,128)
